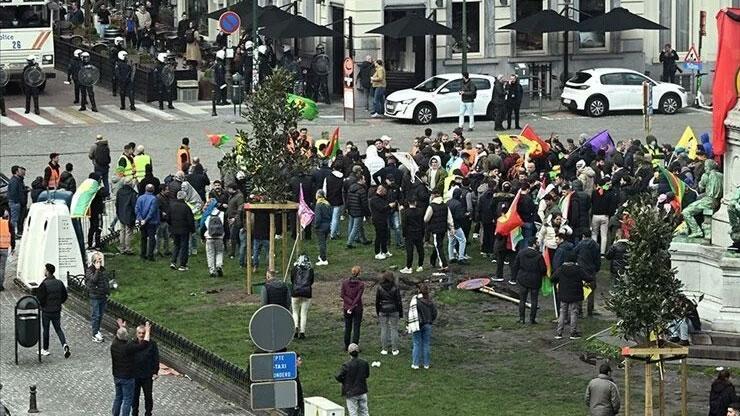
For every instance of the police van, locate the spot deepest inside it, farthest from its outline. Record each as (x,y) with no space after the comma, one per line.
(26,29)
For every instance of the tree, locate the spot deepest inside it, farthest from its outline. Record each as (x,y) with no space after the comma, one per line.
(646,298)
(263,154)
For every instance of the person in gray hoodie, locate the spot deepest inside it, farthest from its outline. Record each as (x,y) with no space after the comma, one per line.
(195,202)
(602,394)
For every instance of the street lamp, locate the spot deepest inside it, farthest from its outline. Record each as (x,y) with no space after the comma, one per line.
(464,37)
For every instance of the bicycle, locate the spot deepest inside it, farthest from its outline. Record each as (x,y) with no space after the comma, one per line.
(699,99)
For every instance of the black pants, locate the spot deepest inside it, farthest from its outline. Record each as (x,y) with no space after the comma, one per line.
(127,91)
(501,256)
(78,87)
(352,323)
(2,101)
(114,80)
(591,298)
(32,92)
(181,249)
(439,249)
(148,241)
(321,87)
(487,241)
(414,243)
(87,92)
(93,233)
(524,292)
(56,320)
(164,95)
(498,111)
(512,108)
(382,233)
(146,385)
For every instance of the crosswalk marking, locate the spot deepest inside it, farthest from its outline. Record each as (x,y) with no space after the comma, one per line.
(66,117)
(9,122)
(31,116)
(189,109)
(100,117)
(158,113)
(124,113)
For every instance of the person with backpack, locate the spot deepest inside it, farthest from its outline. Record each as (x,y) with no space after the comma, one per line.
(389,309)
(192,47)
(97,283)
(214,232)
(301,280)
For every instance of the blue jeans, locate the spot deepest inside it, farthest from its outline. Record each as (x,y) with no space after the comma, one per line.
(422,346)
(124,396)
(336,214)
(257,247)
(466,108)
(459,236)
(97,308)
(15,215)
(355,224)
(379,100)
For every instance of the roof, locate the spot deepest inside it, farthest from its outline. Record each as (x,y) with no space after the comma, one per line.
(598,71)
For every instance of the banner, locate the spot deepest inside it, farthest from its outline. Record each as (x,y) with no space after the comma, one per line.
(83,197)
(726,83)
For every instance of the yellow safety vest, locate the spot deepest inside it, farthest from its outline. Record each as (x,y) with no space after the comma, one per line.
(128,170)
(197,213)
(4,234)
(657,156)
(140,161)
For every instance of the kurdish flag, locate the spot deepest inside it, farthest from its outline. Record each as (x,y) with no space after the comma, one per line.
(678,187)
(218,140)
(307,107)
(564,204)
(546,289)
(541,147)
(332,148)
(82,198)
(510,224)
(514,142)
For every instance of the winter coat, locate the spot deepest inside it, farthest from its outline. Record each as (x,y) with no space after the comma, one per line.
(438,181)
(51,295)
(457,208)
(123,357)
(146,361)
(97,283)
(67,181)
(587,253)
(380,211)
(529,268)
(181,218)
(721,395)
(426,310)
(235,210)
(322,217)
(468,92)
(192,49)
(301,279)
(275,292)
(351,293)
(126,205)
(617,253)
(388,299)
(602,397)
(199,180)
(147,209)
(570,277)
(333,188)
(561,254)
(586,176)
(353,376)
(412,223)
(357,201)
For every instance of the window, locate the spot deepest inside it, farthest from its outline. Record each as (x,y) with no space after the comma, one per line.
(589,9)
(683,17)
(675,14)
(633,79)
(580,78)
(611,79)
(482,84)
(528,41)
(23,17)
(431,84)
(454,85)
(473,16)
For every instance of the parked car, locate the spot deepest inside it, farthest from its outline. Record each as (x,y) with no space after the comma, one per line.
(438,97)
(598,91)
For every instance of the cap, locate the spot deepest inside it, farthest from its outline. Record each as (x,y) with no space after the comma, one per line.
(99,137)
(85,54)
(162,56)
(353,348)
(581,164)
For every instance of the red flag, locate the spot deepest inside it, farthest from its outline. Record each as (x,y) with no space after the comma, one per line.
(529,133)
(332,148)
(508,222)
(727,75)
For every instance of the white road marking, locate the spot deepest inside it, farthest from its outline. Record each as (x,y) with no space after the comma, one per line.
(9,122)
(31,116)
(159,113)
(66,117)
(100,117)
(189,109)
(124,113)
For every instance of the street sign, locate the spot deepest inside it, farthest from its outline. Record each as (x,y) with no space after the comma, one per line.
(692,56)
(229,22)
(272,328)
(274,395)
(273,367)
(693,66)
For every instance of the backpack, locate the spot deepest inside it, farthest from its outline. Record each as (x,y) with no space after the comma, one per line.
(215,227)
(190,36)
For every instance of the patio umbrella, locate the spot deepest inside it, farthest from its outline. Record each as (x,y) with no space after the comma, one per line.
(298,27)
(543,22)
(265,15)
(411,25)
(618,19)
(243,9)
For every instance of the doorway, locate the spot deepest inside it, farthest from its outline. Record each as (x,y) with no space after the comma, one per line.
(337,50)
(405,58)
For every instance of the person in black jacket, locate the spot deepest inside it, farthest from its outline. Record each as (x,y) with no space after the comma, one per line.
(499,102)
(182,224)
(570,278)
(124,75)
(332,187)
(52,294)
(459,214)
(485,216)
(97,208)
(97,283)
(73,70)
(468,92)
(514,94)
(668,57)
(527,210)
(722,394)
(389,309)
(528,270)
(353,375)
(275,291)
(617,254)
(380,212)
(357,208)
(413,232)
(146,370)
(438,222)
(123,360)
(366,69)
(603,207)
(501,203)
(301,280)
(126,214)
(587,254)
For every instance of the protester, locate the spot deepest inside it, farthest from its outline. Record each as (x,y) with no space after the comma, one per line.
(126,214)
(468,92)
(7,243)
(213,230)
(587,254)
(146,370)
(52,294)
(528,270)
(721,394)
(422,314)
(275,291)
(413,233)
(123,351)
(602,394)
(389,309)
(380,212)
(351,293)
(569,278)
(301,281)
(322,224)
(353,375)
(617,254)
(97,282)
(182,224)
(439,222)
(147,220)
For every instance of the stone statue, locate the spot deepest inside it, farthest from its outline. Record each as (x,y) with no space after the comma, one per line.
(711,185)
(733,210)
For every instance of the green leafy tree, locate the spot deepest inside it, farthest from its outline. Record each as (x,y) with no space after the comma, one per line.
(647,297)
(263,154)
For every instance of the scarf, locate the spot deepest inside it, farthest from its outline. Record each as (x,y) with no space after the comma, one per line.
(413,321)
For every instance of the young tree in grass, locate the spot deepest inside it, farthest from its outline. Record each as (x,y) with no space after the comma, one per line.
(646,297)
(263,154)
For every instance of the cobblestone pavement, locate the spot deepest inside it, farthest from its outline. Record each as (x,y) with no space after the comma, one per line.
(83,384)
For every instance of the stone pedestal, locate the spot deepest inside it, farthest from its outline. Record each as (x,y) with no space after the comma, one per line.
(731,163)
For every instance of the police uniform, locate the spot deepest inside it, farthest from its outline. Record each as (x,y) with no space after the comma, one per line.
(320,65)
(219,72)
(124,77)
(31,91)
(113,56)
(72,70)
(87,91)
(2,100)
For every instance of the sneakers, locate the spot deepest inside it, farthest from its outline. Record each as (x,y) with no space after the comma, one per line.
(322,263)
(66,351)
(173,266)
(182,269)
(388,254)
(558,336)
(301,335)
(97,338)
(414,367)
(575,335)
(419,269)
(380,256)
(45,352)
(497,279)
(405,270)
(384,352)
(512,282)
(426,367)
(395,352)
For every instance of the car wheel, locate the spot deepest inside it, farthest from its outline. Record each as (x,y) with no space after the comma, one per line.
(670,103)
(596,106)
(424,113)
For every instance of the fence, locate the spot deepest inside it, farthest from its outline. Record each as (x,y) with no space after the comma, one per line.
(107,224)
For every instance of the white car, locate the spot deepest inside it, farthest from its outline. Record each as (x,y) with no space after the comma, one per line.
(597,91)
(439,97)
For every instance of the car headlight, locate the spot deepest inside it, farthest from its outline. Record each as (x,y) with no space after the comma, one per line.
(409,101)
(47,59)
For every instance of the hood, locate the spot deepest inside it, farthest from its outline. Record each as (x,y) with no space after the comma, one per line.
(190,194)
(406,94)
(531,254)
(386,285)
(437,158)
(588,171)
(198,168)
(720,386)
(457,193)
(577,185)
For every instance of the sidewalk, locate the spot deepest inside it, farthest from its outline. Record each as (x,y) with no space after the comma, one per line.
(83,384)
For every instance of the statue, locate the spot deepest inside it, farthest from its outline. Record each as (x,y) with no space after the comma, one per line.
(711,185)
(733,210)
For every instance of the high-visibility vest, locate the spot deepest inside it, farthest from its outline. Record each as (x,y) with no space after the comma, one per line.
(128,170)
(657,156)
(140,161)
(53,178)
(4,234)
(180,152)
(197,213)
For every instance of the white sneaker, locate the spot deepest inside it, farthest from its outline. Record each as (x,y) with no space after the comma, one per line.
(388,254)
(414,367)
(45,353)
(475,236)
(405,270)
(384,352)
(380,256)
(322,263)
(99,335)
(419,269)
(426,367)
(96,339)
(395,352)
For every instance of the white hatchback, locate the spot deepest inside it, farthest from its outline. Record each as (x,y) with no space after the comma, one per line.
(438,97)
(597,91)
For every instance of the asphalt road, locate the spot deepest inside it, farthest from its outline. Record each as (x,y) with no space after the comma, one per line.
(64,130)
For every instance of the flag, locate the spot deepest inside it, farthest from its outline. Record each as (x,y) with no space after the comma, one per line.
(602,140)
(678,187)
(514,238)
(546,289)
(689,142)
(513,143)
(332,148)
(564,204)
(207,210)
(509,221)
(305,214)
(408,161)
(83,197)
(544,190)
(542,147)
(218,140)
(726,80)
(307,107)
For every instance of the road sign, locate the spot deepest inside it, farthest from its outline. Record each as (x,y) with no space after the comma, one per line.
(693,66)
(274,395)
(229,22)
(272,328)
(692,56)
(273,367)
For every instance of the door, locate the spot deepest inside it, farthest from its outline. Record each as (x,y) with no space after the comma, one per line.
(612,88)
(337,50)
(633,90)
(483,95)
(447,99)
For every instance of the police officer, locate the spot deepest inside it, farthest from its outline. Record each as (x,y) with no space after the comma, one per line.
(219,81)
(72,69)
(113,55)
(30,90)
(125,78)
(163,90)
(2,95)
(247,60)
(87,91)
(320,65)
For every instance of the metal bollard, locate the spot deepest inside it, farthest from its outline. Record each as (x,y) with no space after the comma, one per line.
(32,401)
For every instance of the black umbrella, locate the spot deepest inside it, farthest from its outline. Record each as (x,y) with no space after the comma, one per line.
(542,22)
(299,27)
(618,19)
(243,9)
(265,15)
(411,25)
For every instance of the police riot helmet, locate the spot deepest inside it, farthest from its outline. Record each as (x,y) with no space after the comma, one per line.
(85,56)
(221,54)
(118,40)
(122,55)
(262,49)
(248,44)
(162,56)
(77,53)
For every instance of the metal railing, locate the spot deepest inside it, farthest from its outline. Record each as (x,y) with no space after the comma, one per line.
(108,232)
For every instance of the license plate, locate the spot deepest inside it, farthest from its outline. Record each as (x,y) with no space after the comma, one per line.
(390,107)
(566,101)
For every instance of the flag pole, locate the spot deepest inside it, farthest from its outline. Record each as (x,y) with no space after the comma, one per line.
(290,259)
